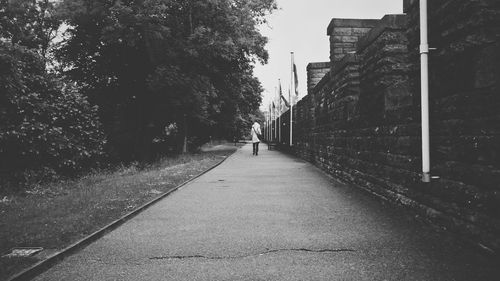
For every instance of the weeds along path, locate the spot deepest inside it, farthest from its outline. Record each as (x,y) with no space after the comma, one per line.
(55,216)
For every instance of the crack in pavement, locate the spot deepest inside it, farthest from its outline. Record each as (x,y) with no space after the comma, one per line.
(256,254)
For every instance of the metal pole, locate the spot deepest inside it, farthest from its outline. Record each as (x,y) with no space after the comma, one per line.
(275,116)
(291,104)
(272,122)
(279,112)
(268,122)
(269,128)
(269,125)
(268,118)
(279,121)
(265,125)
(424,85)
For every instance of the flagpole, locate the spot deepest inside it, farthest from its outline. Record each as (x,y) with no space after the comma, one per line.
(269,125)
(268,118)
(291,103)
(266,124)
(272,122)
(276,121)
(274,112)
(279,112)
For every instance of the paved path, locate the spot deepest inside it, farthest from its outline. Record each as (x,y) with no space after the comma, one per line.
(271,217)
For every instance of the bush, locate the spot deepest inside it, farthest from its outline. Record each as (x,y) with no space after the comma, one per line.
(45,123)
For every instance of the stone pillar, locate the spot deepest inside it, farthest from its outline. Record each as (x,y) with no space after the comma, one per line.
(344,35)
(315,72)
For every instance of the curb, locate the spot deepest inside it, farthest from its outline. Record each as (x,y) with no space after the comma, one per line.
(45,264)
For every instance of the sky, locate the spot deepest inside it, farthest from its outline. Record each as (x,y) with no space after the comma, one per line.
(299,26)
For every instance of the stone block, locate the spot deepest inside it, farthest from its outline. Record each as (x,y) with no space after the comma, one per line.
(342,31)
(337,23)
(346,45)
(338,51)
(487,67)
(387,23)
(349,39)
(358,31)
(336,39)
(397,96)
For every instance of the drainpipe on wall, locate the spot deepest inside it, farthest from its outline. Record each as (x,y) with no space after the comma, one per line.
(424,86)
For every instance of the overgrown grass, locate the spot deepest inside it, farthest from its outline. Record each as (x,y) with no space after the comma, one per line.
(54,216)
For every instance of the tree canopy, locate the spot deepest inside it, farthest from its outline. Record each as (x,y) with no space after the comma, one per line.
(47,127)
(152,63)
(123,79)
(30,23)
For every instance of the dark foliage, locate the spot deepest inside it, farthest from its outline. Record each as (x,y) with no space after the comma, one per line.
(156,64)
(161,76)
(46,126)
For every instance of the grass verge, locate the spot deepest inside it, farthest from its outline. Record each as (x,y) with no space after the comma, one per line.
(57,215)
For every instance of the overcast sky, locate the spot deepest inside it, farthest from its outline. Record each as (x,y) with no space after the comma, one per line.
(299,26)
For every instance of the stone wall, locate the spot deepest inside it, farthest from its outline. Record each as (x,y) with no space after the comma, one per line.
(315,72)
(384,72)
(361,121)
(465,116)
(345,33)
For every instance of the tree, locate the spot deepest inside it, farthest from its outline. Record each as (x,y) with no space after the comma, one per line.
(152,63)
(30,23)
(46,126)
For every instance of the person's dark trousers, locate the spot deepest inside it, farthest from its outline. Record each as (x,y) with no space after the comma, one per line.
(255,148)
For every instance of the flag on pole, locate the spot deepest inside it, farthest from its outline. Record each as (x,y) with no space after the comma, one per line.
(283,98)
(285,101)
(296,80)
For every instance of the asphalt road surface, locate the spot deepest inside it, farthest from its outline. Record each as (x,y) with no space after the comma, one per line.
(273,217)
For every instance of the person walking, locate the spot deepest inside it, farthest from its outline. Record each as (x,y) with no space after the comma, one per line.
(255,137)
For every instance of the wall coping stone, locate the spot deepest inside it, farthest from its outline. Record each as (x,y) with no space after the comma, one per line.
(338,66)
(321,83)
(388,22)
(349,58)
(342,22)
(318,65)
